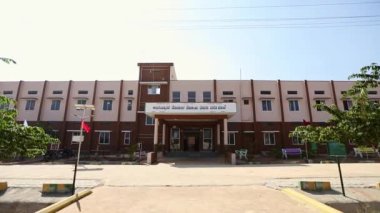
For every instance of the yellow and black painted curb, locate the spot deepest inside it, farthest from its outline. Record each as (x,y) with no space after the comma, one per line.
(65,202)
(3,186)
(56,188)
(378,185)
(315,186)
(310,201)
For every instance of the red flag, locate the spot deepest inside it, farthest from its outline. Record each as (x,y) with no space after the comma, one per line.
(305,123)
(86,128)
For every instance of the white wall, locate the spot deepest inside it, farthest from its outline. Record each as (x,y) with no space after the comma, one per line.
(54,115)
(29,115)
(129,116)
(267,116)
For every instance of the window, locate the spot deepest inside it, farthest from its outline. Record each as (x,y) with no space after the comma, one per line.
(207,139)
(73,134)
(129,106)
(107,105)
(57,92)
(191,96)
(319,102)
(347,104)
(231,138)
(30,104)
(82,92)
(32,92)
(319,92)
(343,92)
(4,106)
(149,120)
(154,90)
(176,96)
(108,92)
(293,105)
(55,104)
(297,141)
(175,139)
(372,92)
(81,101)
(265,92)
(292,92)
(246,101)
(7,92)
(206,96)
(267,105)
(269,138)
(127,138)
(228,100)
(130,92)
(228,92)
(104,137)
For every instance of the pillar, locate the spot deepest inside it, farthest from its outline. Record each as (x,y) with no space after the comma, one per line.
(218,134)
(155,140)
(163,133)
(225,128)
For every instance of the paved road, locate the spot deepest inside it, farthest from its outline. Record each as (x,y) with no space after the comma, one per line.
(186,187)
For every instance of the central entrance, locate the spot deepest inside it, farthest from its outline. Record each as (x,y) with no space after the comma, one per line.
(191,139)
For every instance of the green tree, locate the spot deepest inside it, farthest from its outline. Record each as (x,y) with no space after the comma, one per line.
(16,139)
(360,124)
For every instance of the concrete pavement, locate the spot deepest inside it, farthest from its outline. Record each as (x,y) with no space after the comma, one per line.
(191,187)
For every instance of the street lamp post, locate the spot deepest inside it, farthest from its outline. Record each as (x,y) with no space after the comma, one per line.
(82,107)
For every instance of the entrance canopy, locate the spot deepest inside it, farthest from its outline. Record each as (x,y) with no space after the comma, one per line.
(189,109)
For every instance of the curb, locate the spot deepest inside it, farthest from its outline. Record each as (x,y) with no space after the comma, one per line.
(310,201)
(65,202)
(56,188)
(3,186)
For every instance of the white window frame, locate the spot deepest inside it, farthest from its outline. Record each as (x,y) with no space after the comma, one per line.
(74,133)
(234,138)
(207,98)
(297,141)
(146,121)
(320,102)
(129,105)
(266,105)
(107,107)
(107,133)
(55,104)
(154,90)
(267,138)
(294,105)
(127,136)
(176,99)
(191,99)
(349,104)
(81,101)
(29,105)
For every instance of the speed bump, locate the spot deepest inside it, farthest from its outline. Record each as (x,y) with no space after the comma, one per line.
(3,186)
(56,188)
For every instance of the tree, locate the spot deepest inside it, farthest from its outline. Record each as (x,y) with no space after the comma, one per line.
(7,60)
(16,139)
(360,124)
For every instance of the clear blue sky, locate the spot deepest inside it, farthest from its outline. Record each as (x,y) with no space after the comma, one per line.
(214,39)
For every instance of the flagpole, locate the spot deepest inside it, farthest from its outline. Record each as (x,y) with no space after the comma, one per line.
(83,107)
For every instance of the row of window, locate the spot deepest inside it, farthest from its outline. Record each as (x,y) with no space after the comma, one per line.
(269,137)
(107,105)
(56,104)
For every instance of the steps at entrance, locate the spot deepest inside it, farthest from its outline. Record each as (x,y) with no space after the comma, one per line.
(191,154)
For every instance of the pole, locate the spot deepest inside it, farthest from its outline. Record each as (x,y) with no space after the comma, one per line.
(340,175)
(80,143)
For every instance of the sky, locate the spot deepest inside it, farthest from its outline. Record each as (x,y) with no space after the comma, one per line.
(214,39)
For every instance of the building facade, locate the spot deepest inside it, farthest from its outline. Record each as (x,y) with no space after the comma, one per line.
(164,113)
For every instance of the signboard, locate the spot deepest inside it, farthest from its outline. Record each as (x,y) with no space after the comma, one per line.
(77,138)
(152,109)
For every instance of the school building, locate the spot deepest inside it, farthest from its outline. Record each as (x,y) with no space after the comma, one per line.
(164,113)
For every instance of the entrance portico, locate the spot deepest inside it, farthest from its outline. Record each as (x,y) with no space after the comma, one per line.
(190,126)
